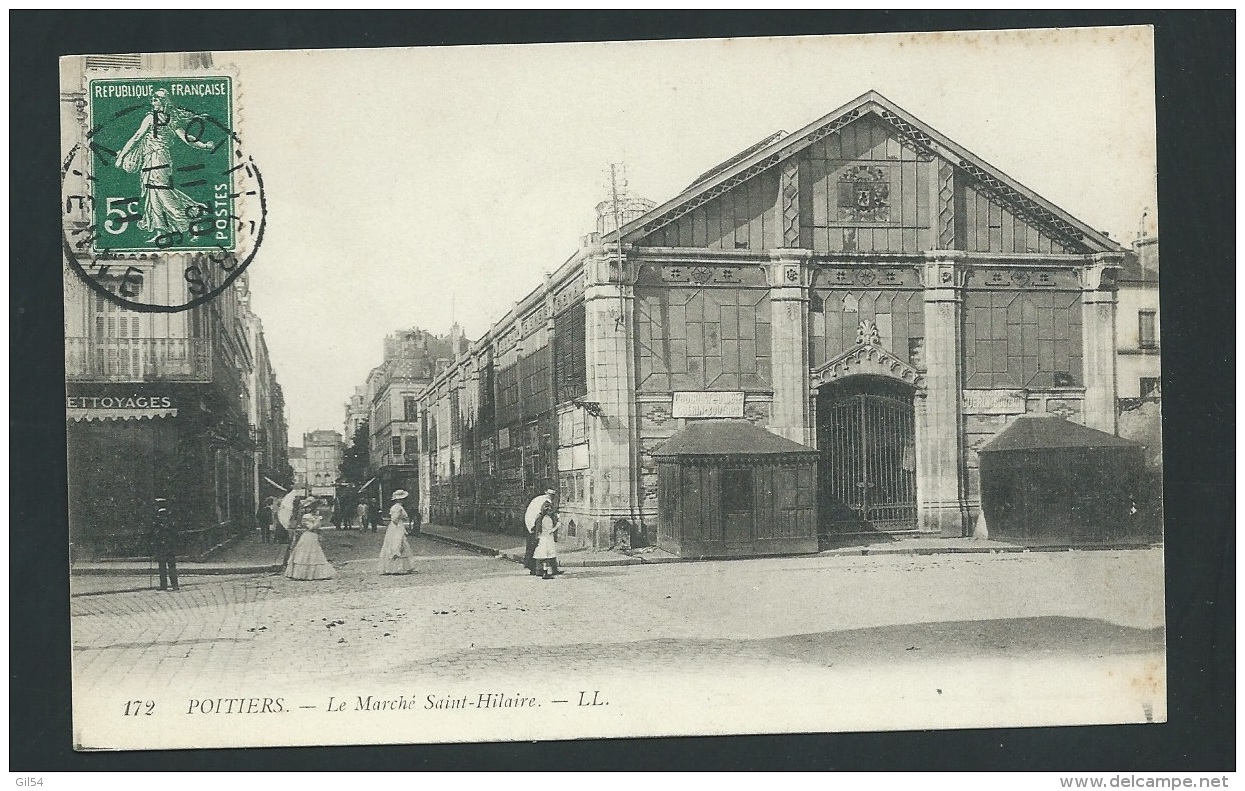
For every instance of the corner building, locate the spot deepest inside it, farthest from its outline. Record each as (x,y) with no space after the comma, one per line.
(865,287)
(173,405)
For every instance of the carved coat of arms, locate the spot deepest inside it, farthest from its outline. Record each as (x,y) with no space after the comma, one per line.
(864,194)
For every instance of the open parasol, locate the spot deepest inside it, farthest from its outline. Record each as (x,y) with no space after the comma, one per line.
(285,511)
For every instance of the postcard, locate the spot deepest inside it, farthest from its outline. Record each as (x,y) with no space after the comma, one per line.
(570,391)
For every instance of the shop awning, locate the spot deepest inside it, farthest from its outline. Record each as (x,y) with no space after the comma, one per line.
(79,414)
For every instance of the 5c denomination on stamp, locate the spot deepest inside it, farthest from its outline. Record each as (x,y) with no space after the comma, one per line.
(160,181)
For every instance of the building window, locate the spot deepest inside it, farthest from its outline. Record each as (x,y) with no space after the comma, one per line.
(396,445)
(411,408)
(703,339)
(569,356)
(1147,337)
(1151,387)
(1022,339)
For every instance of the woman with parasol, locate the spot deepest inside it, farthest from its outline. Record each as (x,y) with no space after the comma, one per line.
(307,561)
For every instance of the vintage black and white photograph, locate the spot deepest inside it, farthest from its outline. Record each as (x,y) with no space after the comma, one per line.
(596,390)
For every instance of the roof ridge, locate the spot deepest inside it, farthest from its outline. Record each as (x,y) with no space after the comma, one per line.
(919,133)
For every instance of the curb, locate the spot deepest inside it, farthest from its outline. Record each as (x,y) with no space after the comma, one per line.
(506,554)
(574,563)
(462,544)
(182,570)
(570,562)
(867,551)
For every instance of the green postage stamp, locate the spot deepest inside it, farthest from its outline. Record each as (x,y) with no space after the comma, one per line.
(163,159)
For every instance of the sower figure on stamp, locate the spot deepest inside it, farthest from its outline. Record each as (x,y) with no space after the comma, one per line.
(150,153)
(164,543)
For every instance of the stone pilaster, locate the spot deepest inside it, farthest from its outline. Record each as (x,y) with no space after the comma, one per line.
(940,453)
(789,274)
(468,413)
(613,431)
(554,375)
(1098,303)
(425,465)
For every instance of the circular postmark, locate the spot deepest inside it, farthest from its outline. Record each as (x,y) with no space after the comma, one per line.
(163,207)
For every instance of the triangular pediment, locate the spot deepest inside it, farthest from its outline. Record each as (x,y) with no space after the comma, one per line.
(867,358)
(868,177)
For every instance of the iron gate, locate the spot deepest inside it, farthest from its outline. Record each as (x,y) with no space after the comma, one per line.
(868,462)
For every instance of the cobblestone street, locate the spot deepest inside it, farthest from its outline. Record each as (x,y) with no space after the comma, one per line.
(462,612)
(465,618)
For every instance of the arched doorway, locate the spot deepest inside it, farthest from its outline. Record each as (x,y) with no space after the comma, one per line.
(866,434)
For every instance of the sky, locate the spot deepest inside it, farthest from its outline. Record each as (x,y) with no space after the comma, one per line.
(418,187)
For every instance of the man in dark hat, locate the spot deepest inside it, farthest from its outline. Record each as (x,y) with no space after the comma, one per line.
(263,517)
(164,544)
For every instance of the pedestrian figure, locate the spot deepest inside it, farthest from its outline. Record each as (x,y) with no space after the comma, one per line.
(365,516)
(263,517)
(164,544)
(531,523)
(307,561)
(348,513)
(396,556)
(546,552)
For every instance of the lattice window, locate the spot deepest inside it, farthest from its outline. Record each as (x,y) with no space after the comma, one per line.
(1022,339)
(570,353)
(536,381)
(508,395)
(488,404)
(898,315)
(456,428)
(704,339)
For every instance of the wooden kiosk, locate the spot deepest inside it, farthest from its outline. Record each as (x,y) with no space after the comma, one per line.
(1046,480)
(726,488)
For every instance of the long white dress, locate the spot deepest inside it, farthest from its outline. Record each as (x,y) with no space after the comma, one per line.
(307,561)
(547,545)
(396,556)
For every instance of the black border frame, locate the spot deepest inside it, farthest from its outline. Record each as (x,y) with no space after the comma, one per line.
(1195,56)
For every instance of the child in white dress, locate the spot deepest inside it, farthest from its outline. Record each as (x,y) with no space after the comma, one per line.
(546,552)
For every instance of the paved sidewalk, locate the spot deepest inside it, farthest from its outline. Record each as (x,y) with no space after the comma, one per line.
(248,555)
(511,547)
(245,555)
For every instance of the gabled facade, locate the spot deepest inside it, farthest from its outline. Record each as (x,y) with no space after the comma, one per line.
(863,286)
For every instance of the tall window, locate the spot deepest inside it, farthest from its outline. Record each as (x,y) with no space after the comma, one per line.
(569,359)
(1147,335)
(1022,339)
(411,408)
(396,445)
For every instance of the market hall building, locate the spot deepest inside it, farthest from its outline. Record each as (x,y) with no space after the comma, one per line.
(864,287)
